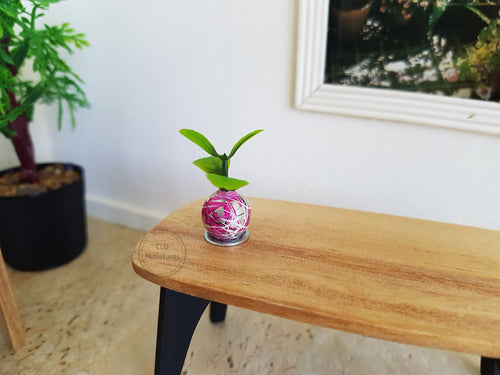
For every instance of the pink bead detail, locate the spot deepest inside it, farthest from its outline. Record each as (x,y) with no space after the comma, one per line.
(226,215)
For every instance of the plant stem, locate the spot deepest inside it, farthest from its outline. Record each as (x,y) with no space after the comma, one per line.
(24,149)
(225,167)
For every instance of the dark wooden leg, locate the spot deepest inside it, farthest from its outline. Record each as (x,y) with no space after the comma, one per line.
(217,312)
(177,319)
(490,366)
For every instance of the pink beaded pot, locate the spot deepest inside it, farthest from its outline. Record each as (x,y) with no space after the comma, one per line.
(226,215)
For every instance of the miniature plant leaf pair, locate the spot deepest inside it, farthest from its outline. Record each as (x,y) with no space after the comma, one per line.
(216,165)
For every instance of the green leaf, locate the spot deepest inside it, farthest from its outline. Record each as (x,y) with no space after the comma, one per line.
(226,183)
(8,132)
(478,13)
(436,14)
(59,114)
(8,10)
(210,164)
(72,108)
(5,57)
(19,54)
(243,140)
(29,113)
(34,94)
(200,140)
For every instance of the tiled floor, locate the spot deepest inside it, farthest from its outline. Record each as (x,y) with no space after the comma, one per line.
(95,316)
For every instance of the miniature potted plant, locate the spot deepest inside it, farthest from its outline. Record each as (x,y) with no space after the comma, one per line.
(226,213)
(42,216)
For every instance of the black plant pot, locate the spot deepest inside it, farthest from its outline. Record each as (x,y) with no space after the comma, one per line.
(44,230)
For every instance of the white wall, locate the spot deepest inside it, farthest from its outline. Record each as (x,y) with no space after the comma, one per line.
(224,68)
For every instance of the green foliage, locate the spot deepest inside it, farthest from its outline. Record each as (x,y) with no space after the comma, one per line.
(241,141)
(482,58)
(23,43)
(437,11)
(226,183)
(440,6)
(404,9)
(200,140)
(211,164)
(216,166)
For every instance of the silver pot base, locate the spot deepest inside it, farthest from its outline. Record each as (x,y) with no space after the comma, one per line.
(227,243)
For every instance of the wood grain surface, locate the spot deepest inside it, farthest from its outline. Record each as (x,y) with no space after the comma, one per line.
(10,320)
(400,279)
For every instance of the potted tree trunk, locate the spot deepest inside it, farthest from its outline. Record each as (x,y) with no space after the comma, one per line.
(42,213)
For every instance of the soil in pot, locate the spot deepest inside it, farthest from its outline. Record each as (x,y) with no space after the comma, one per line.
(51,177)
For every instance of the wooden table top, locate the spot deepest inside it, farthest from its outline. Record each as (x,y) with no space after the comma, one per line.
(406,280)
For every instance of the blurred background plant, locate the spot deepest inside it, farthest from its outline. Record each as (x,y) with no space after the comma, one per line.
(349,4)
(403,9)
(482,60)
(445,47)
(32,69)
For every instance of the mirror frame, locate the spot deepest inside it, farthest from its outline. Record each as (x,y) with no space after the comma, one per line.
(312,94)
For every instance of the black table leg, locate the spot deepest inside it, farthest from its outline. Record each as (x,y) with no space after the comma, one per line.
(217,312)
(490,366)
(177,319)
